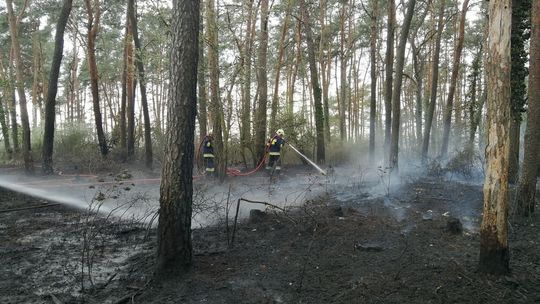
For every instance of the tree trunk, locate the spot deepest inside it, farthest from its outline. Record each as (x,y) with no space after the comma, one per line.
(12,104)
(19,70)
(418,64)
(279,63)
(373,73)
(389,62)
(475,106)
(215,104)
(434,82)
(453,81)
(123,97)
(527,183)
(245,129)
(130,93)
(396,107)
(202,93)
(5,130)
(260,120)
(343,74)
(319,116)
(176,193)
(94,14)
(50,103)
(520,26)
(494,252)
(4,108)
(325,62)
(142,85)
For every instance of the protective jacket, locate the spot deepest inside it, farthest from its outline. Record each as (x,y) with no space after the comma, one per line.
(208,147)
(275,145)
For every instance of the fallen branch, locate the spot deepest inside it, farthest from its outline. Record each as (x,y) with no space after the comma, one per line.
(29,208)
(238,209)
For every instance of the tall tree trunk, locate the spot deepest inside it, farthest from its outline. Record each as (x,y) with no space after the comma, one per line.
(142,85)
(94,15)
(245,129)
(373,73)
(5,130)
(434,82)
(527,183)
(12,105)
(494,252)
(343,74)
(475,106)
(520,22)
(5,108)
(50,103)
(130,93)
(319,116)
(19,70)
(389,62)
(202,93)
(396,93)
(174,252)
(453,80)
(123,96)
(325,62)
(279,63)
(260,120)
(215,104)
(418,64)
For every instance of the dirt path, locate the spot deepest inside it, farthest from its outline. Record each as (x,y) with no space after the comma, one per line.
(335,249)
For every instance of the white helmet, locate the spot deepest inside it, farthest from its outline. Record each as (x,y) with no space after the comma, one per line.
(280,132)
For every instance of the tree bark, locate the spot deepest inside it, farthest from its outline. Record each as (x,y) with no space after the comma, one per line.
(475,106)
(389,62)
(245,130)
(494,252)
(142,85)
(520,26)
(124,94)
(343,74)
(434,82)
(215,104)
(260,120)
(19,72)
(453,81)
(319,116)
(130,93)
(50,103)
(396,107)
(174,229)
(526,195)
(373,74)
(201,81)
(4,117)
(94,15)
(279,63)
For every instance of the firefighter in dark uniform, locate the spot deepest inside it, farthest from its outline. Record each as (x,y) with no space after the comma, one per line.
(208,153)
(274,150)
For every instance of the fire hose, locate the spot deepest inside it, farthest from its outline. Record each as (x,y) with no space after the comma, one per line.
(236,172)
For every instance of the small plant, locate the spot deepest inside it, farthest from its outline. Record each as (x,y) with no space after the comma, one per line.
(462,163)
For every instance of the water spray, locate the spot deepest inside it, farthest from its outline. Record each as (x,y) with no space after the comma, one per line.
(308,160)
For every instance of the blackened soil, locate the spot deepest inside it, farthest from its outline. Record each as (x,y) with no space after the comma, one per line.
(371,250)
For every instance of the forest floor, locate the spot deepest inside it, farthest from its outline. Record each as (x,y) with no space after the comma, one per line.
(344,246)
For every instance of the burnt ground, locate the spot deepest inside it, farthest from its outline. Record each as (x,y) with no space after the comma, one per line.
(395,249)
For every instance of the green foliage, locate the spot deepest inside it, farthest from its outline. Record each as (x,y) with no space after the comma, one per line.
(521,27)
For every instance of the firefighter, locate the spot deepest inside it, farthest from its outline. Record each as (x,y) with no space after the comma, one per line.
(208,153)
(274,150)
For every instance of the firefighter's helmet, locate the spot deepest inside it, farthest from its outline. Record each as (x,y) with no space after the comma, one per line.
(280,132)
